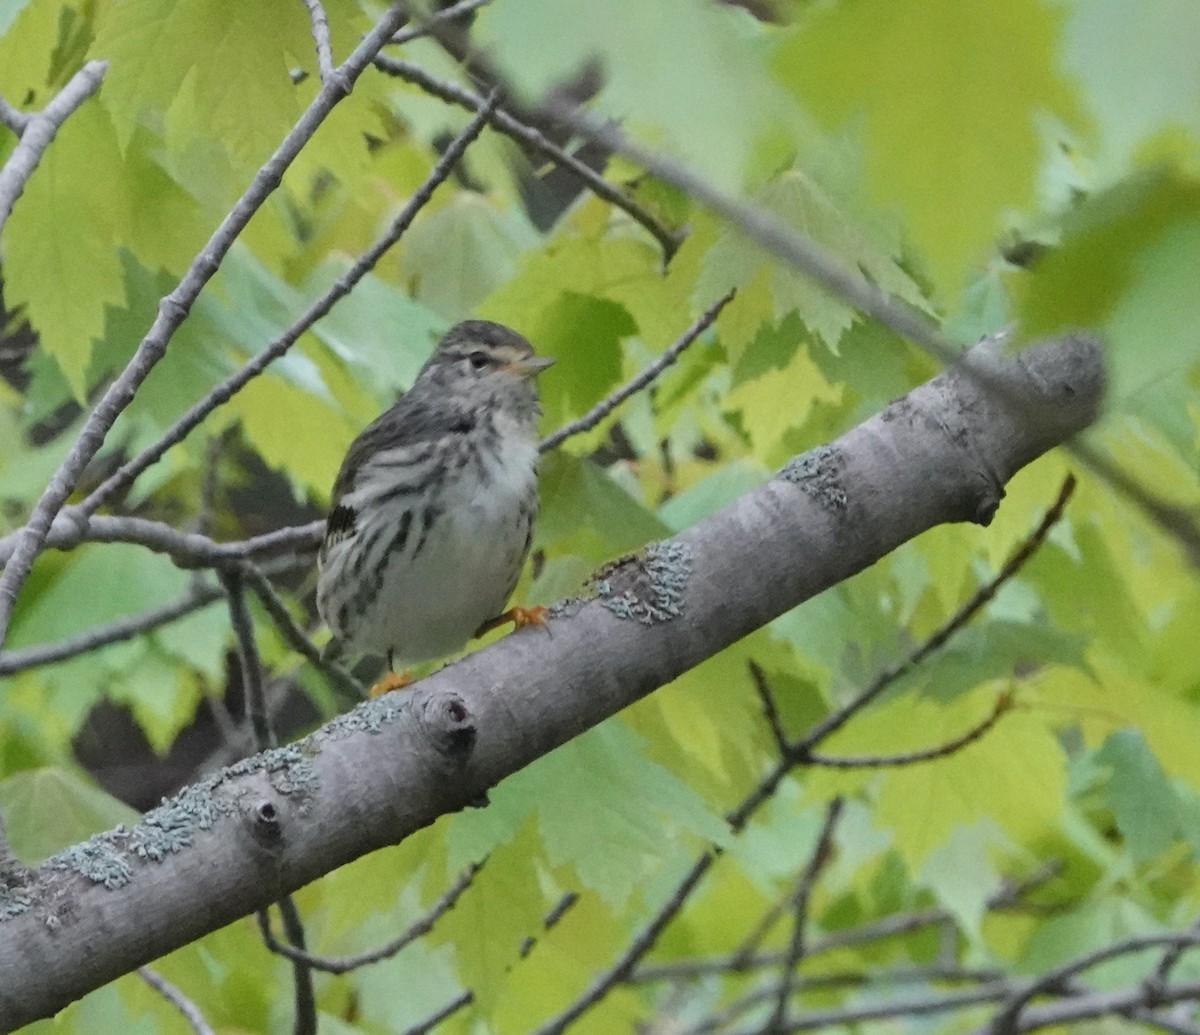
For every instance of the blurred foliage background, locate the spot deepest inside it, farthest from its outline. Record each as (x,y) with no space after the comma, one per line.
(1026,160)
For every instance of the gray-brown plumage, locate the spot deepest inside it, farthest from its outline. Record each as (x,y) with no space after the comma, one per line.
(432,511)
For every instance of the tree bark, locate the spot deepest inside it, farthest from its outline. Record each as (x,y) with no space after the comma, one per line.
(272,823)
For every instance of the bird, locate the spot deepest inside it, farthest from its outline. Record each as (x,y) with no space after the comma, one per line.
(432,511)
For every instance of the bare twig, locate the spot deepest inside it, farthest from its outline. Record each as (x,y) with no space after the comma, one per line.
(1003,704)
(305,1020)
(641,944)
(1170,959)
(525,135)
(320,35)
(838,718)
(343,964)
(1006,1022)
(925,1006)
(821,854)
(436,1018)
(191,1012)
(112,632)
(872,979)
(252,679)
(876,930)
(39,129)
(210,484)
(295,636)
(769,706)
(13,118)
(223,392)
(188,549)
(444,16)
(614,399)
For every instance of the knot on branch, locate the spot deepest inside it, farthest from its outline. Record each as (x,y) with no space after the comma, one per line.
(262,819)
(445,721)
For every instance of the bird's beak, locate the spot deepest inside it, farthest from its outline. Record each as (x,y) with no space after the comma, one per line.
(531,366)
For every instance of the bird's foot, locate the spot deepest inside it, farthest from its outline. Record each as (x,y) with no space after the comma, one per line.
(390,681)
(519,616)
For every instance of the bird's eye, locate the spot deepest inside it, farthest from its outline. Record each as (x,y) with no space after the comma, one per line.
(478,360)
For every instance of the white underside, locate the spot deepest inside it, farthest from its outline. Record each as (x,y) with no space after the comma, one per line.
(431,604)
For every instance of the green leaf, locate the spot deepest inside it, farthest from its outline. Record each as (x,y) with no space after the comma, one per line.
(103,582)
(237,56)
(584,333)
(488,925)
(962,877)
(1143,801)
(801,202)
(614,815)
(578,496)
(1124,267)
(456,256)
(61,262)
(713,108)
(47,809)
(1133,94)
(28,38)
(948,120)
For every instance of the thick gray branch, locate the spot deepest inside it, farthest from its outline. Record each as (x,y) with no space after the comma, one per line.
(273,823)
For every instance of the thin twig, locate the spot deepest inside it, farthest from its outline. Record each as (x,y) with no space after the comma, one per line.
(305,1020)
(924,975)
(210,485)
(436,1018)
(876,930)
(295,637)
(448,14)
(524,134)
(1170,959)
(197,597)
(223,392)
(614,399)
(560,909)
(172,311)
(821,854)
(766,696)
(1003,704)
(37,131)
(188,549)
(827,1020)
(13,118)
(251,667)
(320,35)
(344,964)
(191,1012)
(838,718)
(642,943)
(1006,1021)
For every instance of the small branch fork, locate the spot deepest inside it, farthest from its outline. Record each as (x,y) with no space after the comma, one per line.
(36,131)
(320,35)
(793,754)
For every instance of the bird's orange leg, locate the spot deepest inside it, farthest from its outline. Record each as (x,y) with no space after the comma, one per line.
(391,679)
(519,616)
